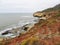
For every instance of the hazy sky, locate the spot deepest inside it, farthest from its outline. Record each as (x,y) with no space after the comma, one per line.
(26,5)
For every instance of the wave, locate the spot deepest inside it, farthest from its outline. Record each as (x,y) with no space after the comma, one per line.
(21,23)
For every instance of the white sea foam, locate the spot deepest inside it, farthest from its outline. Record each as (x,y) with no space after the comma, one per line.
(23,21)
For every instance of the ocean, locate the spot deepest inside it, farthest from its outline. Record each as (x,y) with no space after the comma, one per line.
(11,19)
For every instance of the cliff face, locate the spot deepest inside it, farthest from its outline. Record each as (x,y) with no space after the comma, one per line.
(45,32)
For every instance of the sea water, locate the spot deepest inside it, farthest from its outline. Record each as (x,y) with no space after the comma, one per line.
(12,19)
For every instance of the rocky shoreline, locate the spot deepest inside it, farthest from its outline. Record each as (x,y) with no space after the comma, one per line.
(44,32)
(16,31)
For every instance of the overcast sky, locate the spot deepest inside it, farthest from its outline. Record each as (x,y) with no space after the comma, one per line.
(8,6)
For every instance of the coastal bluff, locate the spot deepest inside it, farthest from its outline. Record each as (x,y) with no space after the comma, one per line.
(45,32)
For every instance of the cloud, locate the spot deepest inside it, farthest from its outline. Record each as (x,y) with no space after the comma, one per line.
(26,5)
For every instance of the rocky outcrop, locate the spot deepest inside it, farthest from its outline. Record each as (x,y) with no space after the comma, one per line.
(38,14)
(46,15)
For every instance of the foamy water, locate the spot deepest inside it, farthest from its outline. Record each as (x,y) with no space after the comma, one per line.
(9,21)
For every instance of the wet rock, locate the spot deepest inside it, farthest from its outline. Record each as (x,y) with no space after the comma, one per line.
(4,33)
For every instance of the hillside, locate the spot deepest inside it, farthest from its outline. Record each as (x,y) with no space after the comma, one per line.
(45,32)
